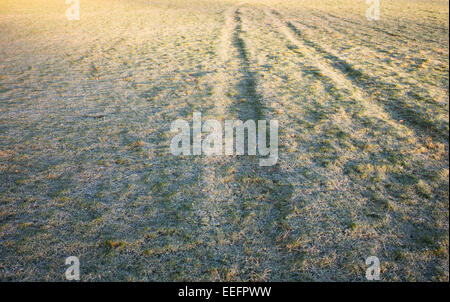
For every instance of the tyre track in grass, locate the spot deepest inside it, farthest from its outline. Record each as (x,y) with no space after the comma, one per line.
(339,25)
(378,51)
(390,35)
(379,108)
(354,79)
(389,96)
(394,102)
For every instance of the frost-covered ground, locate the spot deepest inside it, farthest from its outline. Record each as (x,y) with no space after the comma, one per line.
(86,169)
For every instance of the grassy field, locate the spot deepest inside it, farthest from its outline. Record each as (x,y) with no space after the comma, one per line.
(86,170)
